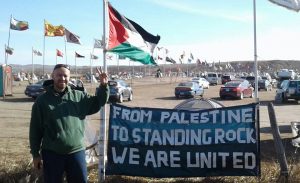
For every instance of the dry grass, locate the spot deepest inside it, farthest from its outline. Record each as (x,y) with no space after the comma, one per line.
(17,167)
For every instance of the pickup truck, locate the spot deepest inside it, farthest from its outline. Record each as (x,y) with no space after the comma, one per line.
(289,89)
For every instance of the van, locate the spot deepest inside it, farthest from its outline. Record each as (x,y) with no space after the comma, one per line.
(212,78)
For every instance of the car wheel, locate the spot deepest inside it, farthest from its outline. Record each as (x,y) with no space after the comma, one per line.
(130,97)
(242,96)
(177,96)
(283,98)
(278,98)
(121,98)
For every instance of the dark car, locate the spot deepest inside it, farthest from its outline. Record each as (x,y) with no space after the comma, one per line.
(236,89)
(188,89)
(289,89)
(119,90)
(264,84)
(36,89)
(251,80)
(226,78)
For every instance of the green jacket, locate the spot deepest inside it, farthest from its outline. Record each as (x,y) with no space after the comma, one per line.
(57,122)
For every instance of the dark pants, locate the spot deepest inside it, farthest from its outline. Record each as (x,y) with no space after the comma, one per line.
(74,165)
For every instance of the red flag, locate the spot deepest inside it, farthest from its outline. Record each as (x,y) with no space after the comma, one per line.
(59,53)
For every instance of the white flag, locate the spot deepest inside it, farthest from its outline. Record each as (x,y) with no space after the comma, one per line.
(290,4)
(98,43)
(38,53)
(72,38)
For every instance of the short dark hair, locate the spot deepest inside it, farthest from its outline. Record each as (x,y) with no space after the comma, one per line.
(57,66)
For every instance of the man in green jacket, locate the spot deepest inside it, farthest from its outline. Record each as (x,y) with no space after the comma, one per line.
(57,126)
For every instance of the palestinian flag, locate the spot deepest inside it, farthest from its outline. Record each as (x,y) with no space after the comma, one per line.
(128,39)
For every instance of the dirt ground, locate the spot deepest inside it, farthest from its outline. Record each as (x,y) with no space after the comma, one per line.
(148,92)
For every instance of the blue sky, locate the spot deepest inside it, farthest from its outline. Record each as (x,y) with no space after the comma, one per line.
(220,30)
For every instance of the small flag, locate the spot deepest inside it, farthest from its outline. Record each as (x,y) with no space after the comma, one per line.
(191,56)
(109,57)
(9,50)
(72,38)
(18,25)
(38,53)
(59,53)
(78,55)
(53,31)
(168,59)
(94,57)
(98,43)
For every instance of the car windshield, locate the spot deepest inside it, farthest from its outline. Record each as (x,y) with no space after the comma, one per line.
(294,83)
(232,84)
(112,83)
(40,82)
(226,77)
(186,84)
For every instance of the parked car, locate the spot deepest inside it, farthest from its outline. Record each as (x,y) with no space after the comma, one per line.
(119,90)
(36,89)
(188,89)
(212,78)
(201,81)
(251,80)
(226,78)
(236,89)
(289,89)
(264,84)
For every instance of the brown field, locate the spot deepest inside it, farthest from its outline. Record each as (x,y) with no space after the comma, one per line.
(148,92)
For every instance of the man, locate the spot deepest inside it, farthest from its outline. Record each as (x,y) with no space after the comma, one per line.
(57,127)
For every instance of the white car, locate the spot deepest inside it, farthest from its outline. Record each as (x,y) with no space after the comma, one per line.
(202,82)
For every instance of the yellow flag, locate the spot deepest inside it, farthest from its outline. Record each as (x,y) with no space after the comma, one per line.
(52,31)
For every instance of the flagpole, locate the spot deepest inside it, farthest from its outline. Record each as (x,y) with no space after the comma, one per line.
(75,67)
(44,51)
(118,61)
(91,69)
(66,49)
(255,52)
(32,62)
(6,54)
(102,133)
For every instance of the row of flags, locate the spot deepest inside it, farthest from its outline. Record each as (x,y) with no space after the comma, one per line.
(77,55)
(126,37)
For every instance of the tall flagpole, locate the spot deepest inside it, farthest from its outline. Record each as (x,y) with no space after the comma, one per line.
(32,62)
(91,70)
(6,54)
(255,52)
(44,51)
(66,49)
(75,67)
(102,134)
